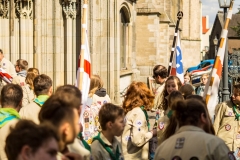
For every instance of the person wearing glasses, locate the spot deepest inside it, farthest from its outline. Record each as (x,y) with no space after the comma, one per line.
(21,68)
(226,124)
(160,76)
(200,89)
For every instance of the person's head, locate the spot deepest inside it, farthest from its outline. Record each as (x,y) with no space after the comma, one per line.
(11,96)
(42,85)
(137,95)
(187,90)
(113,121)
(159,74)
(1,54)
(187,78)
(95,84)
(64,116)
(204,79)
(21,65)
(33,70)
(173,97)
(236,94)
(192,112)
(29,79)
(70,94)
(172,83)
(29,141)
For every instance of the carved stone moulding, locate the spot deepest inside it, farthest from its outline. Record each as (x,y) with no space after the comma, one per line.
(71,8)
(24,8)
(4,6)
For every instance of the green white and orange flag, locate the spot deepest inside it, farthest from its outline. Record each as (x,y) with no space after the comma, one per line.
(211,90)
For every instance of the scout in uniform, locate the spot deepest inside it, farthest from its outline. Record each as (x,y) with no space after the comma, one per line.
(43,89)
(21,67)
(137,133)
(191,142)
(227,118)
(11,98)
(105,145)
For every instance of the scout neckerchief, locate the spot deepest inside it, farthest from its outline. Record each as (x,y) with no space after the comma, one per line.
(170,113)
(40,100)
(107,148)
(146,116)
(7,114)
(237,115)
(86,145)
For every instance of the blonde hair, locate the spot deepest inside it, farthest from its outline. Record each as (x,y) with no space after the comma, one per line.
(29,79)
(95,84)
(33,70)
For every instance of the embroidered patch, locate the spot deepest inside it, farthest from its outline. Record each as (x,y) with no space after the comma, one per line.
(104,101)
(231,155)
(99,102)
(161,125)
(238,136)
(86,114)
(227,127)
(176,158)
(179,143)
(230,113)
(139,123)
(127,138)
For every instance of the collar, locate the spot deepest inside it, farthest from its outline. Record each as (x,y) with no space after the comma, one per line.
(104,139)
(189,128)
(22,73)
(41,99)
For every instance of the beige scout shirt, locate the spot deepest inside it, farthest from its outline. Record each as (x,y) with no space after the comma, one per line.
(28,95)
(158,96)
(30,112)
(76,147)
(135,136)
(191,141)
(99,152)
(226,126)
(162,124)
(19,80)
(8,67)
(4,131)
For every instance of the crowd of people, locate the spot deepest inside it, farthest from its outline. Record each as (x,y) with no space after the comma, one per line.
(37,122)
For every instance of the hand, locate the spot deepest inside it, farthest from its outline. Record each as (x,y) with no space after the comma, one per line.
(154,132)
(72,156)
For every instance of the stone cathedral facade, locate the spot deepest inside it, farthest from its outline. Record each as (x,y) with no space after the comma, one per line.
(126,37)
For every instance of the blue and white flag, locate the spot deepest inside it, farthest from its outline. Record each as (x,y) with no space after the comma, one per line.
(177,66)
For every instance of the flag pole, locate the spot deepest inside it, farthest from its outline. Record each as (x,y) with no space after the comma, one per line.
(179,16)
(211,89)
(83,47)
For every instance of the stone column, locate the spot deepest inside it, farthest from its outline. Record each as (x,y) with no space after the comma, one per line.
(70,12)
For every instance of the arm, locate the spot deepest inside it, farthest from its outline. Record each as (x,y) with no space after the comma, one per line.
(219,112)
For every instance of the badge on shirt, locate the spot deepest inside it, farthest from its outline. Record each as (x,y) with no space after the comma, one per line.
(238,136)
(227,127)
(139,123)
(179,143)
(230,113)
(161,125)
(104,101)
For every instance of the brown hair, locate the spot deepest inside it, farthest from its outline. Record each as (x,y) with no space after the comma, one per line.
(33,70)
(173,97)
(95,84)
(188,74)
(137,95)
(1,51)
(186,90)
(28,133)
(22,64)
(160,70)
(113,112)
(11,95)
(29,79)
(42,83)
(164,102)
(56,110)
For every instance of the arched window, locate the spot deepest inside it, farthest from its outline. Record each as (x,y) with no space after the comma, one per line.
(124,36)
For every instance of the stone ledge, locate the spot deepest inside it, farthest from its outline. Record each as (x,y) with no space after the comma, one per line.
(125,73)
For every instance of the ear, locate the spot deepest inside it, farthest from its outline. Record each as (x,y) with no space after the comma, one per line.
(50,91)
(66,128)
(19,106)
(109,125)
(26,152)
(204,118)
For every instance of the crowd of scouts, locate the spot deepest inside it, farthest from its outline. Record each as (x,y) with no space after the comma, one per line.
(37,123)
